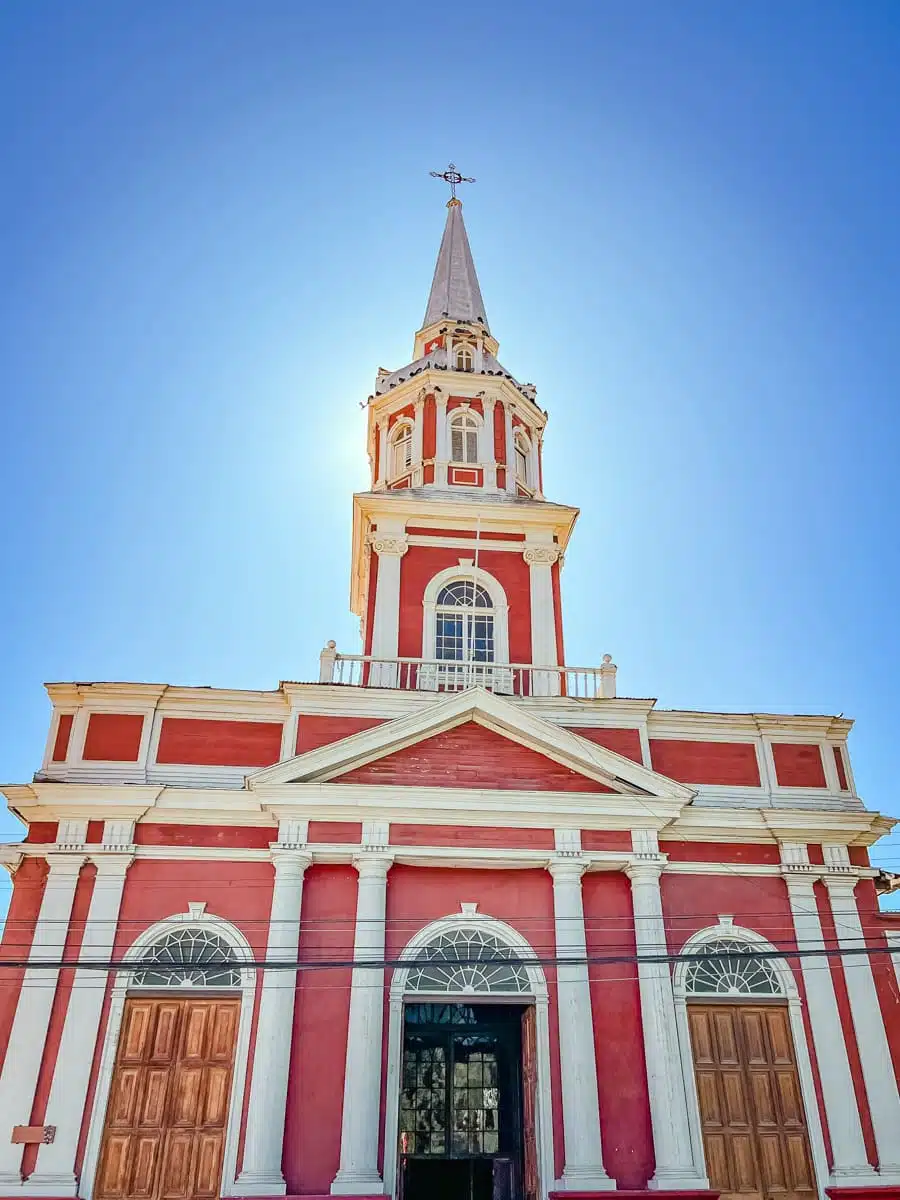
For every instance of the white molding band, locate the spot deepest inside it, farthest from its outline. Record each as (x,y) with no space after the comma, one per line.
(677,1166)
(261,1167)
(29,1029)
(358,1173)
(868,1022)
(583,1170)
(851,1166)
(55,1171)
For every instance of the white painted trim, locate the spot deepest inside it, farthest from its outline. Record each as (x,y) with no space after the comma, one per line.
(892,937)
(120,991)
(499,610)
(798,1035)
(538,995)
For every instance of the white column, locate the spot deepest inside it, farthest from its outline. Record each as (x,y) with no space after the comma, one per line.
(441,449)
(417,440)
(358,1174)
(675,1166)
(583,1169)
(32,1019)
(540,560)
(55,1171)
(390,548)
(261,1170)
(851,1167)
(868,1022)
(490,454)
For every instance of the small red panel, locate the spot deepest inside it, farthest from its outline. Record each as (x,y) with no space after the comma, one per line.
(798,766)
(472,756)
(231,837)
(467,475)
(219,743)
(499,434)
(313,732)
(605,839)
(491,836)
(626,742)
(429,428)
(725,763)
(341,832)
(63,733)
(113,737)
(718,852)
(841,769)
(42,832)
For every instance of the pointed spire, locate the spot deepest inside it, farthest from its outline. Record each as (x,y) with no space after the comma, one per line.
(455,293)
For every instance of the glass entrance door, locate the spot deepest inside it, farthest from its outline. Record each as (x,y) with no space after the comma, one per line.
(460,1102)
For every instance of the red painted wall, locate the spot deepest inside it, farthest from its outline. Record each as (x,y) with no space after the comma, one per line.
(557,614)
(471,835)
(113,737)
(231,837)
(18,932)
(798,766)
(679,850)
(606,839)
(219,743)
(875,924)
(841,768)
(342,832)
(63,733)
(618,1039)
(42,832)
(472,756)
(726,763)
(500,433)
(626,742)
(315,731)
(429,428)
(312,1140)
(422,563)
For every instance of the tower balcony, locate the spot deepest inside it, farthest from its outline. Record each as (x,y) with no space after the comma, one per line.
(446,675)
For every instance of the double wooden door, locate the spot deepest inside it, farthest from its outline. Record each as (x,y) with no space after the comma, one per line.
(751,1106)
(164,1135)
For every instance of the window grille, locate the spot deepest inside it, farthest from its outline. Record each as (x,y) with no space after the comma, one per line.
(468,960)
(462,632)
(464,438)
(734,974)
(188,958)
(401,450)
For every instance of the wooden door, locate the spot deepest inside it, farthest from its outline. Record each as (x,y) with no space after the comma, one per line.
(529,1103)
(751,1105)
(168,1101)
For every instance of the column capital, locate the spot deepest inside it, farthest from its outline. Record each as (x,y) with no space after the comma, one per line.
(373,866)
(799,882)
(567,870)
(841,885)
(394,547)
(289,862)
(112,863)
(64,863)
(645,870)
(540,555)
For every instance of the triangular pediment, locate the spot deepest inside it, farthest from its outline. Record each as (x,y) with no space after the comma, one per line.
(497,744)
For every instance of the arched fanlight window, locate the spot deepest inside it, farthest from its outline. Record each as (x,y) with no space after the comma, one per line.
(522,455)
(189,957)
(465,359)
(401,449)
(733,972)
(464,437)
(464,623)
(466,960)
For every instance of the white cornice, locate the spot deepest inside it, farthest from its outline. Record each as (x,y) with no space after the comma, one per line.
(669,723)
(469,385)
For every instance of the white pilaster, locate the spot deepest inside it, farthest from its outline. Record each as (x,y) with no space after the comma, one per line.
(583,1170)
(55,1172)
(358,1173)
(32,1019)
(441,449)
(540,559)
(417,440)
(851,1167)
(534,464)
(489,457)
(868,1022)
(390,546)
(261,1171)
(675,1165)
(381,433)
(510,452)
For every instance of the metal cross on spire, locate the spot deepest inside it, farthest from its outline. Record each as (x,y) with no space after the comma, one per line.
(451,176)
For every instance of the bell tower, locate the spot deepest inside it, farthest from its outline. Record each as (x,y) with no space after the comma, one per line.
(456,551)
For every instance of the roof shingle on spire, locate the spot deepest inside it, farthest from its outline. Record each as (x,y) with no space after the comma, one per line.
(455,294)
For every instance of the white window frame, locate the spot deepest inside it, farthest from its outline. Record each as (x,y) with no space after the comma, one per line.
(467,352)
(537,994)
(122,988)
(501,681)
(403,431)
(472,423)
(726,929)
(468,617)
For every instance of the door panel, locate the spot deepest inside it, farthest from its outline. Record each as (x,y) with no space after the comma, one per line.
(168,1105)
(751,1106)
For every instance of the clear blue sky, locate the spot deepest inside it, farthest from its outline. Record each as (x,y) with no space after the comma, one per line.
(217,222)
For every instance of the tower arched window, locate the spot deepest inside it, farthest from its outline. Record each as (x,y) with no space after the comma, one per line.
(464,623)
(465,359)
(464,437)
(401,449)
(522,455)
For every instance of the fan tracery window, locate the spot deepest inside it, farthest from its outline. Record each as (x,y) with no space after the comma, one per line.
(732,974)
(188,958)
(468,960)
(464,623)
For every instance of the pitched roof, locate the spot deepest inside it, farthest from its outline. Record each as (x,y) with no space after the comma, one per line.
(455,293)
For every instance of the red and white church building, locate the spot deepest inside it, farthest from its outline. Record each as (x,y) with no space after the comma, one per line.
(455,921)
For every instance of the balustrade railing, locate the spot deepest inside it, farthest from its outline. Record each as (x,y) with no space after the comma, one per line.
(443,675)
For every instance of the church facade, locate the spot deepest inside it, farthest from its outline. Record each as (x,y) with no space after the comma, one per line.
(455,921)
